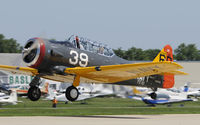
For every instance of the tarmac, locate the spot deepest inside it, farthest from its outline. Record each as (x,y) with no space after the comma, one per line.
(174,119)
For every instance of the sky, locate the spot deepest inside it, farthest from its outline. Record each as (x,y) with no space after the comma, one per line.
(145,24)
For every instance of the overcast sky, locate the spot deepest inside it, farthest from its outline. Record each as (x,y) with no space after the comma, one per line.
(118,23)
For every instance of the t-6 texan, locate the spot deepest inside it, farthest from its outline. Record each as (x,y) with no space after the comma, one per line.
(82,60)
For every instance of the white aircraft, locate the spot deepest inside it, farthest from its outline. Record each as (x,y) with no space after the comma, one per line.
(85,93)
(191,92)
(195,93)
(9,100)
(164,97)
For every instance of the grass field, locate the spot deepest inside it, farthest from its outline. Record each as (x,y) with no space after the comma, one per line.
(95,106)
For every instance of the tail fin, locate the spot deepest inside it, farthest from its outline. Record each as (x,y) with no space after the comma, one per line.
(51,94)
(166,54)
(45,88)
(135,91)
(13,96)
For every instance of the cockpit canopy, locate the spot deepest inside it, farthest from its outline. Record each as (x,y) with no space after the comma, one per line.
(89,45)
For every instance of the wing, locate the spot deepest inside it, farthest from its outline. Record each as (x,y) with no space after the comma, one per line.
(174,73)
(103,74)
(19,70)
(116,73)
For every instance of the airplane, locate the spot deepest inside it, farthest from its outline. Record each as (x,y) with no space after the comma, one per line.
(191,92)
(84,93)
(164,96)
(153,102)
(167,97)
(82,60)
(9,100)
(22,90)
(195,93)
(4,87)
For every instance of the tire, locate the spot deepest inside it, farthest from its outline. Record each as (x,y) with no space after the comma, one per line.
(34,93)
(153,95)
(72,93)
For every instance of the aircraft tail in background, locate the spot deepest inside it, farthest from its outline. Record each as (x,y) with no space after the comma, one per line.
(13,96)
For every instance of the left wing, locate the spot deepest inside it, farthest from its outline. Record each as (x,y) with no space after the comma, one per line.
(121,72)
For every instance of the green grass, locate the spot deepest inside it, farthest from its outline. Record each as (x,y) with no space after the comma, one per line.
(95,106)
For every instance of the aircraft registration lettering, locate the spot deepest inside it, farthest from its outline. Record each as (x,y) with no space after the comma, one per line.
(162,57)
(83,62)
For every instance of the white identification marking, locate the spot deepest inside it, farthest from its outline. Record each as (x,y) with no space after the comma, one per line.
(75,60)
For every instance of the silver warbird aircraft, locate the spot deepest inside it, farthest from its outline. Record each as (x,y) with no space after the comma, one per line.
(81,60)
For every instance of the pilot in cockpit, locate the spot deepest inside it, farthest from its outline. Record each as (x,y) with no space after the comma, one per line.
(77,42)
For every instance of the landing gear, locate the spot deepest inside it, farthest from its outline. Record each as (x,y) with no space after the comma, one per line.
(71,93)
(34,92)
(153,95)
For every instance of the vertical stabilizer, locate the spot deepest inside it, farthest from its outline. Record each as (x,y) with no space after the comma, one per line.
(13,96)
(166,54)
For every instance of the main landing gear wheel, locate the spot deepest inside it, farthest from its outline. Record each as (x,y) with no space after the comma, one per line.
(34,93)
(71,93)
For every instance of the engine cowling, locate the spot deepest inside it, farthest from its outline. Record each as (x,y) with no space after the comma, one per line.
(34,52)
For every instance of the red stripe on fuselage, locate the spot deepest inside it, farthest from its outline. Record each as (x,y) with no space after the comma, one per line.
(42,53)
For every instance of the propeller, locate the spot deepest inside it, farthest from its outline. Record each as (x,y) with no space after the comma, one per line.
(30,51)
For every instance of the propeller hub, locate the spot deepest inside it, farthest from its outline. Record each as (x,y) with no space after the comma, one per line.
(33,52)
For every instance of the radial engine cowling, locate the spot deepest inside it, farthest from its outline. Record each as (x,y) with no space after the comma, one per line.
(34,52)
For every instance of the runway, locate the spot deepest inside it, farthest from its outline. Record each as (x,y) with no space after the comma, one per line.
(178,119)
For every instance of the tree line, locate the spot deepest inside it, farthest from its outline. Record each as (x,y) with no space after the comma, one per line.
(183,52)
(9,45)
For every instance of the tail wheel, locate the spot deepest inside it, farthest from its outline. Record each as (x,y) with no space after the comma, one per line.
(34,93)
(71,93)
(153,95)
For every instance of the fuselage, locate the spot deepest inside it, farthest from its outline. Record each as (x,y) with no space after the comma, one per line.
(49,54)
(52,57)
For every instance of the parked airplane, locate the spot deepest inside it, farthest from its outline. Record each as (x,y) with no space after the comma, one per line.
(22,90)
(154,102)
(164,96)
(84,93)
(9,100)
(191,92)
(4,87)
(167,97)
(81,60)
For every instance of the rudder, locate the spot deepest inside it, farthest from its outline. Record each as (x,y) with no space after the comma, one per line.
(166,54)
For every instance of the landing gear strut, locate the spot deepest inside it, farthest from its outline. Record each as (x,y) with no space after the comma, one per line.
(34,92)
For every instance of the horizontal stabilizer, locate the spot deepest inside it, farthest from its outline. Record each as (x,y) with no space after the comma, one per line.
(174,73)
